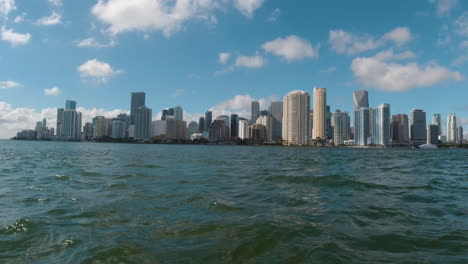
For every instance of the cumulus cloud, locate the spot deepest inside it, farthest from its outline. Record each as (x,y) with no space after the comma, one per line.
(274,15)
(14,38)
(6,6)
(51,20)
(97,70)
(291,48)
(9,85)
(461,24)
(54,91)
(240,104)
(55,2)
(382,73)
(248,7)
(255,61)
(19,19)
(92,43)
(343,42)
(223,57)
(444,7)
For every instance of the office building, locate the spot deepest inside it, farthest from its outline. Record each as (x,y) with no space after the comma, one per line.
(276,113)
(158,129)
(192,128)
(70,122)
(436,120)
(418,133)
(219,131)
(361,126)
(452,128)
(137,101)
(267,122)
(320,116)
(255,111)
(178,113)
(143,120)
(296,107)
(399,130)
(258,133)
(201,124)
(341,125)
(382,125)
(243,129)
(433,134)
(70,105)
(102,127)
(166,113)
(328,124)
(460,135)
(88,130)
(208,120)
(176,129)
(59,127)
(361,99)
(234,126)
(118,130)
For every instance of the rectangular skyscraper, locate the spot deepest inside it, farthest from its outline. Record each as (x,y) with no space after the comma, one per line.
(234,126)
(433,134)
(340,122)
(452,128)
(276,113)
(59,128)
(70,105)
(201,124)
(255,112)
(178,113)
(208,120)
(382,125)
(138,100)
(143,120)
(400,130)
(418,132)
(296,107)
(436,120)
(320,115)
(361,126)
(460,135)
(361,99)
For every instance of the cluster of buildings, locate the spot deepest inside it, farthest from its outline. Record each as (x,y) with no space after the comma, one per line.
(293,121)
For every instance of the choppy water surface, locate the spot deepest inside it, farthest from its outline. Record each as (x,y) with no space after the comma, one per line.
(111,203)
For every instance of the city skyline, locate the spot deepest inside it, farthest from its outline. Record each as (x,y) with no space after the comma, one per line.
(238,53)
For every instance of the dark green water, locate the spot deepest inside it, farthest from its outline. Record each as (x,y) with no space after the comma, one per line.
(113,203)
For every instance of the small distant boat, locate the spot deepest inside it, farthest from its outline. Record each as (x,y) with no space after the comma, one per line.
(428,146)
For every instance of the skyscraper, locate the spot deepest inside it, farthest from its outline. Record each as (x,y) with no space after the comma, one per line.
(234,126)
(178,113)
(418,131)
(296,107)
(267,122)
(69,122)
(433,134)
(143,118)
(201,124)
(168,112)
(361,99)
(320,105)
(243,129)
(452,128)
(400,130)
(255,111)
(276,113)
(361,126)
(208,120)
(382,125)
(328,123)
(436,120)
(219,131)
(138,100)
(59,128)
(460,135)
(118,128)
(70,105)
(192,128)
(340,122)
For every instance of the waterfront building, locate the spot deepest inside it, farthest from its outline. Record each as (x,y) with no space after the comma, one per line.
(436,120)
(158,129)
(243,129)
(460,135)
(418,131)
(208,120)
(340,122)
(452,128)
(433,134)
(361,99)
(102,127)
(328,123)
(166,113)
(320,116)
(70,105)
(276,113)
(131,131)
(219,131)
(361,126)
(192,128)
(296,107)
(88,130)
(258,133)
(234,126)
(178,113)
(227,120)
(399,130)
(176,129)
(71,122)
(138,100)
(382,125)
(118,130)
(201,124)
(59,127)
(311,124)
(143,120)
(255,111)
(267,122)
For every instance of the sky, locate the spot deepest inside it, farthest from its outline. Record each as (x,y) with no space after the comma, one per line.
(222,54)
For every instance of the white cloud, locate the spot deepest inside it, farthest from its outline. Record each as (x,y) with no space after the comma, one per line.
(291,48)
(274,15)
(54,91)
(444,7)
(461,24)
(55,2)
(256,61)
(9,85)
(6,6)
(329,70)
(343,42)
(92,43)
(460,60)
(248,7)
(389,55)
(400,35)
(51,20)
(14,38)
(240,104)
(380,73)
(19,19)
(97,70)
(223,57)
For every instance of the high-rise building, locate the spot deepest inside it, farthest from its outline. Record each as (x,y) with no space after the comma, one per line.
(243,129)
(361,126)
(320,107)
(452,128)
(192,128)
(88,130)
(118,130)
(176,129)
(143,120)
(178,113)
(433,134)
(418,131)
(138,100)
(201,124)
(371,138)
(258,133)
(102,127)
(70,105)
(328,123)
(219,131)
(159,128)
(227,120)
(59,127)
(340,122)
(255,111)
(276,113)
(436,120)
(208,120)
(267,122)
(166,113)
(361,99)
(296,107)
(460,135)
(382,125)
(400,130)
(234,125)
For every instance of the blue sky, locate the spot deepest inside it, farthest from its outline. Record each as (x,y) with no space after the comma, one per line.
(204,54)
